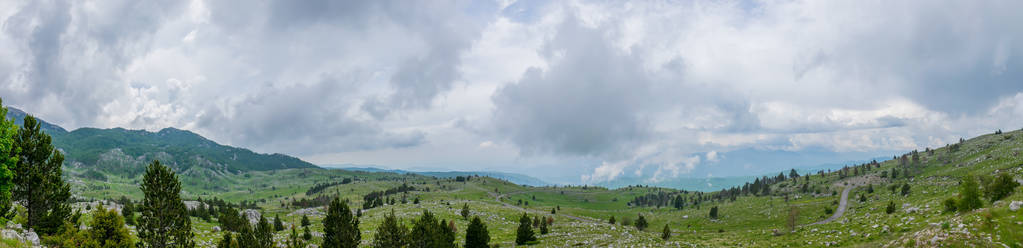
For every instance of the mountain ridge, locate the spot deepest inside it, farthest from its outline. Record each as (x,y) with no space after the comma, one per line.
(126,152)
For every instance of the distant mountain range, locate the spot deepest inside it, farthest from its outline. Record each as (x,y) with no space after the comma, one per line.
(511,177)
(125,152)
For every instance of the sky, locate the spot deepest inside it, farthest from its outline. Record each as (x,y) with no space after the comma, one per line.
(567,91)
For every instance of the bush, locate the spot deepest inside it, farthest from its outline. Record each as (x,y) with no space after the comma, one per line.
(970,195)
(641,223)
(950,204)
(1003,185)
(891,208)
(714,212)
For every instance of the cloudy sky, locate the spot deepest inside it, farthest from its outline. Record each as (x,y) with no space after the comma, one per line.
(568,91)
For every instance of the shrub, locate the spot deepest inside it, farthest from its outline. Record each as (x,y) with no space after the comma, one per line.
(891,208)
(970,195)
(1003,185)
(950,204)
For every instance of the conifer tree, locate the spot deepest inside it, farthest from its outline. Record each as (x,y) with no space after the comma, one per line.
(264,233)
(641,223)
(611,220)
(305,220)
(37,179)
(390,233)
(278,225)
(476,235)
(306,235)
(445,234)
(294,241)
(524,233)
(227,241)
(465,211)
(246,238)
(666,233)
(128,211)
(430,233)
(107,230)
(340,227)
(164,220)
(8,161)
(543,227)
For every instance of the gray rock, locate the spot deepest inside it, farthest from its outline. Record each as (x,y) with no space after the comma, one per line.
(252,215)
(1014,205)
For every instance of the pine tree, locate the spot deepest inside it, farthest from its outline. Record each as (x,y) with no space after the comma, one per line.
(465,211)
(611,220)
(164,220)
(278,225)
(524,234)
(390,234)
(37,179)
(446,234)
(429,233)
(714,212)
(306,235)
(294,241)
(543,227)
(890,208)
(227,241)
(107,230)
(666,233)
(476,235)
(8,162)
(128,211)
(305,220)
(246,238)
(641,223)
(340,227)
(264,233)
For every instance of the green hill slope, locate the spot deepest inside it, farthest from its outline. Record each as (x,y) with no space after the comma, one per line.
(123,152)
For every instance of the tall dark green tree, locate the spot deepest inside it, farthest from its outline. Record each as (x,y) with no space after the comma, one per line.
(666,233)
(476,235)
(264,233)
(465,211)
(278,225)
(37,179)
(524,234)
(306,235)
(294,241)
(641,223)
(430,233)
(227,241)
(163,220)
(8,161)
(246,237)
(340,227)
(128,211)
(391,234)
(305,220)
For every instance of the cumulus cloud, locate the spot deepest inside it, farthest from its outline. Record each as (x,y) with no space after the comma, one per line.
(603,89)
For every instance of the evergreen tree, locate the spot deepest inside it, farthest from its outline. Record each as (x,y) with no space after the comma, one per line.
(611,220)
(666,233)
(524,234)
(8,162)
(390,234)
(227,241)
(264,233)
(465,211)
(429,233)
(128,211)
(446,237)
(37,179)
(641,223)
(543,227)
(970,195)
(278,225)
(246,238)
(905,189)
(107,230)
(164,220)
(306,235)
(476,235)
(890,208)
(305,220)
(294,241)
(714,212)
(340,227)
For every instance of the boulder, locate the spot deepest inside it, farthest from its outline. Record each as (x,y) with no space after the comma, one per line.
(1014,205)
(252,215)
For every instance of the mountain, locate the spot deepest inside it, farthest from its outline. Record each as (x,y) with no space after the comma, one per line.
(511,177)
(126,152)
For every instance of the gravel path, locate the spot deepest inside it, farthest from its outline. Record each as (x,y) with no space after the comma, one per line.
(841,206)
